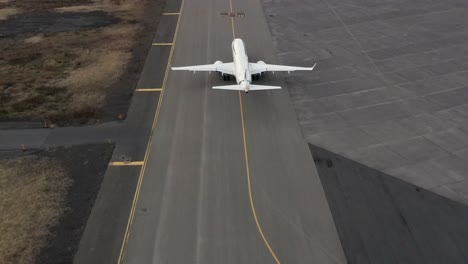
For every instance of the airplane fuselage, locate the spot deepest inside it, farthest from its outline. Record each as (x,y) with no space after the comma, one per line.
(241,64)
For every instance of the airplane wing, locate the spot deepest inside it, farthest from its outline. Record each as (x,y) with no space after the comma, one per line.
(256,68)
(226,68)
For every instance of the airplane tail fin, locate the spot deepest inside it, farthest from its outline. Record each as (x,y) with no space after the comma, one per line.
(252,87)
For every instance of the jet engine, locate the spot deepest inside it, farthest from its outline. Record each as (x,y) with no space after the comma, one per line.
(218,62)
(260,62)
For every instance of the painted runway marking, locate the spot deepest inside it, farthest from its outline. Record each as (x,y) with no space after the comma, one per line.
(171,14)
(145,160)
(249,185)
(163,44)
(232,14)
(252,205)
(148,90)
(123,163)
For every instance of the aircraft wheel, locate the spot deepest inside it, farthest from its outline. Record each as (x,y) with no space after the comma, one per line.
(224,77)
(228,77)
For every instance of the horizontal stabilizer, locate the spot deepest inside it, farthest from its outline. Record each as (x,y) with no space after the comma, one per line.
(229,87)
(254,87)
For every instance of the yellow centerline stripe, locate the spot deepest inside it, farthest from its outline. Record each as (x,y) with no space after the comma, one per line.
(148,90)
(155,121)
(232,20)
(171,14)
(249,185)
(163,44)
(123,163)
(252,206)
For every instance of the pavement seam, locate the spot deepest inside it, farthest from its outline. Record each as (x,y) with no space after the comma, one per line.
(155,121)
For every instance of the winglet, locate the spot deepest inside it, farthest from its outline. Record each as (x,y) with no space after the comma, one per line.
(313,66)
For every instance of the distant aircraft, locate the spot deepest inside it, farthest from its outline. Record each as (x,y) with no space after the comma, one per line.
(242,69)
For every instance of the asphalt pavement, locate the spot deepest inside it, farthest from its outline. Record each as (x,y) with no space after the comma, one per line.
(390,87)
(228,177)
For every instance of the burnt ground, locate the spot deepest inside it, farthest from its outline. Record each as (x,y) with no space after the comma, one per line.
(52,22)
(85,165)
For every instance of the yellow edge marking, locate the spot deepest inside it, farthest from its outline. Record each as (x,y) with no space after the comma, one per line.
(163,44)
(155,122)
(149,90)
(171,14)
(123,163)
(249,185)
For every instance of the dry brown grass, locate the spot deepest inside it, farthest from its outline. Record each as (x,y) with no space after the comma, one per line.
(32,193)
(99,68)
(67,75)
(5,13)
(82,8)
(34,39)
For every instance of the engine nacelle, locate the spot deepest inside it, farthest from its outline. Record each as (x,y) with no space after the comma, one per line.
(260,62)
(218,62)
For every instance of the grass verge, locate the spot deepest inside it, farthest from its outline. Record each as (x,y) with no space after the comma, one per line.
(32,192)
(66,77)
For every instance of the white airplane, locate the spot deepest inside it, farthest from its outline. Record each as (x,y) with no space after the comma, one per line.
(242,69)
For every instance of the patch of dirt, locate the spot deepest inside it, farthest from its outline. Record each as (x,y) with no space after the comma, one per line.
(48,196)
(76,77)
(5,13)
(34,39)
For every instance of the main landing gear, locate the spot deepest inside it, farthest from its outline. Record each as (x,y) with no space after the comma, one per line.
(256,77)
(226,77)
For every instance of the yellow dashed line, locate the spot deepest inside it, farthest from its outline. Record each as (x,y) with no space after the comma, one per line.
(232,20)
(123,163)
(148,90)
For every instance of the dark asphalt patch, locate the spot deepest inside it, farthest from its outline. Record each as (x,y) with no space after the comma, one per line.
(53,22)
(381,219)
